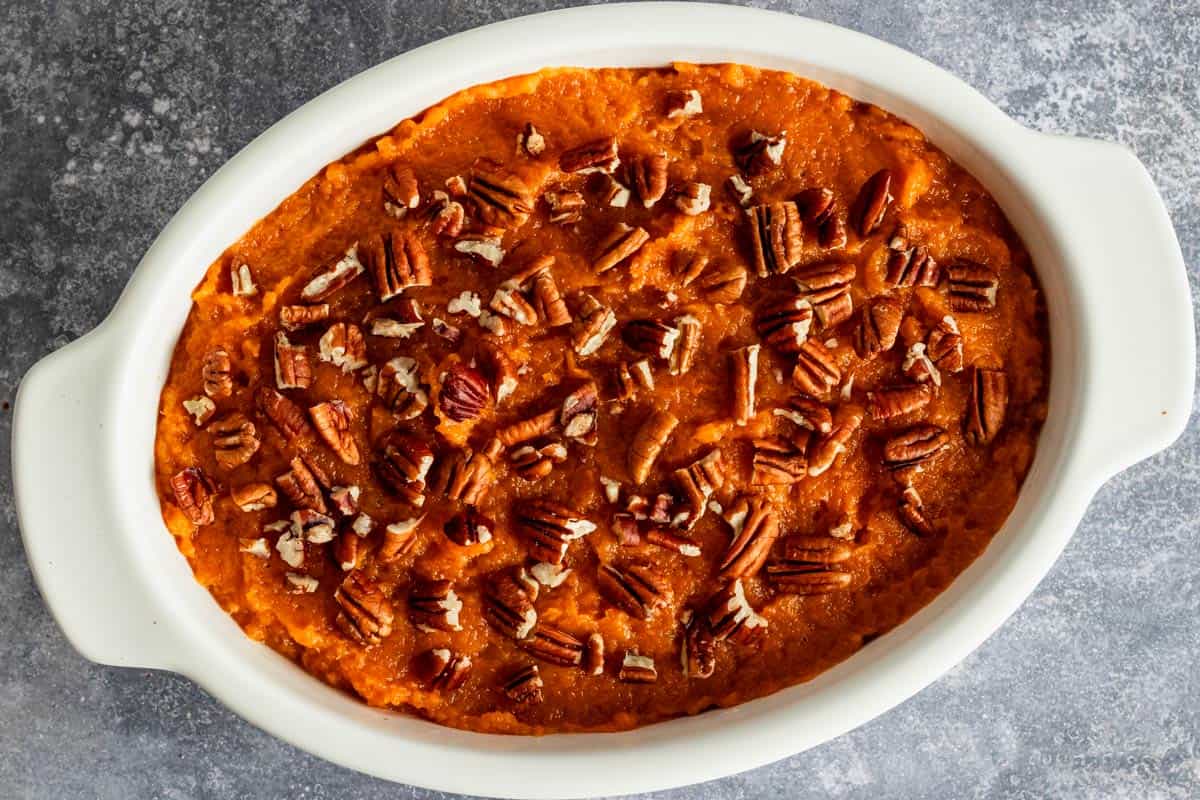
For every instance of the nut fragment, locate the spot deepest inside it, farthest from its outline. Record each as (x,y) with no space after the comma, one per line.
(499,368)
(633,377)
(896,401)
(283,413)
(972,286)
(300,486)
(755,527)
(366,614)
(648,442)
(918,367)
(632,588)
(776,236)
(531,141)
(872,203)
(757,153)
(825,449)
(501,199)
(553,645)
(509,302)
(816,371)
(598,155)
(332,420)
(649,175)
(779,462)
(879,325)
(194,493)
(669,540)
(235,440)
(744,380)
(741,191)
(785,325)
(547,299)
(399,538)
(345,499)
(442,670)
(684,354)
(682,103)
(524,686)
(730,616)
(989,401)
(593,655)
(403,465)
(697,482)
(482,247)
(401,193)
(446,217)
(469,527)
(591,329)
(912,512)
(333,279)
(397,261)
(292,370)
(464,394)
(349,551)
(433,605)
(508,602)
(637,668)
(465,475)
(693,198)
(217,374)
(343,346)
(910,265)
(579,415)
(549,527)
(537,460)
(566,208)
(807,413)
(912,448)
(827,287)
(241,280)
(698,654)
(253,496)
(622,243)
(651,337)
(945,345)
(527,429)
(689,266)
(293,318)
(398,386)
(723,284)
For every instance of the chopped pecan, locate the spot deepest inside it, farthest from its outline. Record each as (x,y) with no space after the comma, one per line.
(399,538)
(442,670)
(598,155)
(785,325)
(879,326)
(397,261)
(349,550)
(698,653)
(808,413)
(194,493)
(622,243)
(451,333)
(651,337)
(200,408)
(823,550)
(913,447)
(312,526)
(332,420)
(456,187)
(300,486)
(469,527)
(741,191)
(217,373)
(637,668)
(292,370)
(816,372)
(398,386)
(553,645)
(509,302)
(235,440)
(815,205)
(778,462)
(499,368)
(593,654)
(648,442)
(743,376)
(591,329)
(578,415)
(827,287)
(632,377)
(682,103)
(566,208)
(730,616)
(403,465)
(293,318)
(669,540)
(535,461)
(755,527)
(465,475)
(241,280)
(776,235)
(465,393)
(945,346)
(693,198)
(972,286)
(625,530)
(508,602)
(547,300)
(345,499)
(433,605)
(918,367)
(910,266)
(343,346)
(366,614)
(912,512)
(896,401)
(283,413)
(790,577)
(334,279)
(684,353)
(484,247)
(872,203)
(446,216)
(524,686)
(756,153)
(549,528)
(526,429)
(531,141)
(697,481)
(253,496)
(723,284)
(501,199)
(614,193)
(825,449)
(401,193)
(989,401)
(649,175)
(633,588)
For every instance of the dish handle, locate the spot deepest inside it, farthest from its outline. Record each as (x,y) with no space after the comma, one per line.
(62,474)
(1138,341)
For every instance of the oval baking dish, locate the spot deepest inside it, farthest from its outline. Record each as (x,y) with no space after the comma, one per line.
(84,422)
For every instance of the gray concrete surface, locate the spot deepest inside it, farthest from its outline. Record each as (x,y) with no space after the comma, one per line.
(112,113)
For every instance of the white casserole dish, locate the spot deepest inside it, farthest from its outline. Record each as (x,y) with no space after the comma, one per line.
(1122,375)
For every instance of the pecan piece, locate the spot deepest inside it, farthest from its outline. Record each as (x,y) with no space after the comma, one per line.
(465,475)
(682,103)
(598,155)
(689,267)
(807,413)
(669,540)
(446,216)
(241,280)
(549,528)
(501,199)
(509,302)
(349,551)
(724,284)
(824,550)
(730,616)
(465,393)
(535,461)
(756,153)
(366,614)
(217,374)
(910,266)
(345,499)
(293,318)
(649,175)
(879,325)
(334,279)
(972,286)
(235,440)
(591,329)
(442,670)
(741,191)
(632,377)
(593,654)
(397,261)
(500,370)
(872,203)
(332,420)
(528,429)
(538,280)
(301,487)
(776,235)
(632,588)
(816,372)
(508,602)
(790,577)
(403,464)
(200,408)
(292,370)
(398,386)
(194,493)
(815,205)
(637,668)
(912,512)
(469,527)
(913,447)
(824,450)
(698,654)
(651,337)
(253,496)
(827,288)
(531,141)
(743,376)
(622,243)
(755,527)
(945,345)
(401,193)
(553,645)
(697,481)
(896,401)
(399,538)
(614,193)
(918,367)
(525,686)
(566,208)
(693,198)
(343,346)
(484,247)
(785,325)
(778,462)
(648,442)
(578,415)
(989,401)
(684,353)
(433,605)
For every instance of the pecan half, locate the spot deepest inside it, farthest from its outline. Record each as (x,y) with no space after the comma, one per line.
(649,176)
(622,243)
(465,475)
(682,103)
(446,216)
(469,527)
(989,401)
(349,551)
(217,374)
(684,354)
(879,325)
(785,325)
(442,670)
(366,614)
(566,208)
(757,153)
(827,287)
(527,429)
(872,203)
(800,578)
(333,279)
(776,235)
(647,443)
(914,447)
(755,527)
(398,386)
(730,615)
(778,462)
(593,654)
(332,420)
(823,550)
(724,284)
(235,440)
(972,286)
(433,605)
(301,487)
(896,401)
(693,198)
(743,377)
(598,155)
(194,493)
(578,415)
(698,653)
(401,193)
(292,370)
(537,460)
(549,527)
(397,261)
(807,413)
(633,377)
(531,141)
(553,645)
(253,496)
(524,686)
(293,318)
(910,265)
(343,346)
(816,372)
(945,345)
(637,668)
(825,449)
(912,512)
(403,464)
(669,540)
(508,597)
(399,538)
(464,394)
(651,337)
(595,322)
(689,266)
(633,588)
(815,205)
(502,200)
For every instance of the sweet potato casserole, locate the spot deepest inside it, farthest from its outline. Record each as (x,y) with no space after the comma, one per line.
(590,398)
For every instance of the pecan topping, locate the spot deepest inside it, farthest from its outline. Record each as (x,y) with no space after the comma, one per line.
(741,191)
(549,528)
(724,284)
(553,645)
(332,420)
(754,530)
(293,318)
(632,588)
(500,370)
(797,577)
(345,499)
(333,279)
(972,286)
(528,429)
(578,414)
(649,175)
(744,378)
(398,386)
(525,686)
(292,370)
(914,447)
(625,530)
(632,377)
(483,247)
(311,526)
(366,615)
(816,372)
(614,193)
(446,217)
(254,496)
(758,153)
(689,266)
(535,461)
(684,353)
(465,475)
(669,540)
(815,205)
(241,281)
(682,103)
(433,605)
(235,440)
(912,512)
(619,245)
(730,616)
(872,203)
(918,367)
(784,326)
(827,288)
(469,527)
(501,199)
(945,345)
(398,538)
(776,235)
(697,482)
(547,300)
(823,550)
(400,191)
(442,670)
(648,442)
(508,602)
(823,451)
(778,462)
(300,486)
(465,393)
(910,266)
(531,141)
(403,464)
(566,208)
(896,401)
(397,262)
(698,654)
(343,346)
(693,198)
(879,325)
(217,374)
(651,337)
(509,302)
(637,669)
(593,655)
(989,401)
(194,495)
(349,551)
(591,330)
(807,413)
(599,155)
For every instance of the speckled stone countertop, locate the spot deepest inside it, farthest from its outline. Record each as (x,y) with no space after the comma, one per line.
(110,118)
